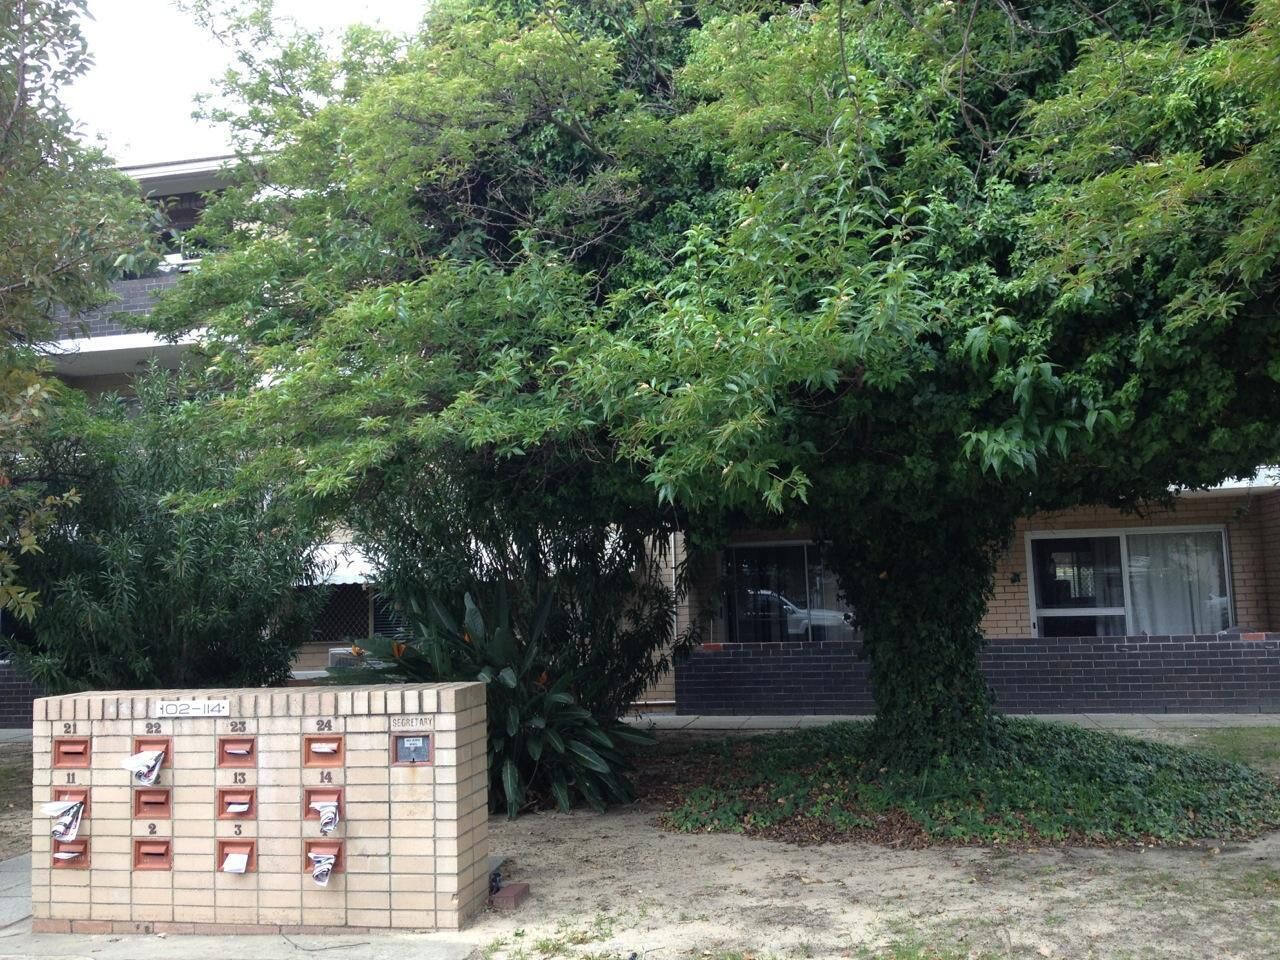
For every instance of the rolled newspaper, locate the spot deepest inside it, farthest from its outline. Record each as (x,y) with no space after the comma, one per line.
(66,818)
(329,818)
(144,766)
(322,867)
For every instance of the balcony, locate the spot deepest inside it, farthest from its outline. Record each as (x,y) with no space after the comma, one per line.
(97,350)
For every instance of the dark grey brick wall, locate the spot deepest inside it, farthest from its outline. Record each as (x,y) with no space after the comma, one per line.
(820,676)
(16,694)
(137,297)
(1227,673)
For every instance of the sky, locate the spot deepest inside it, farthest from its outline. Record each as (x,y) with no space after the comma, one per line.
(151,61)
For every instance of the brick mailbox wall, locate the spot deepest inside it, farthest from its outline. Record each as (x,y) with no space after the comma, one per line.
(405,764)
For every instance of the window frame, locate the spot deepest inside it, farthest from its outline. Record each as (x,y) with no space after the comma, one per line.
(730,631)
(1123,534)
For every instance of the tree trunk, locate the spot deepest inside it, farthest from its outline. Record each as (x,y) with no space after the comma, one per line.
(920,589)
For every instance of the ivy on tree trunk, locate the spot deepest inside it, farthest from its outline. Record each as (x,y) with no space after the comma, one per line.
(920,589)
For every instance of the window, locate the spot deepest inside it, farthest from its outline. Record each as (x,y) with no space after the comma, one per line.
(782,592)
(1167,581)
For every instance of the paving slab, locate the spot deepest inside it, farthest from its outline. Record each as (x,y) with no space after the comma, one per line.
(15,890)
(19,942)
(666,722)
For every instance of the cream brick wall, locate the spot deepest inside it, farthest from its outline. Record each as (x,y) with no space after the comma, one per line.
(1268,510)
(1244,515)
(414,839)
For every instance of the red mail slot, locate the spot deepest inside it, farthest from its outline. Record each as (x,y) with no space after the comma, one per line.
(152,855)
(152,803)
(230,848)
(71,795)
(71,752)
(71,854)
(149,744)
(322,750)
(237,752)
(237,803)
(320,795)
(321,847)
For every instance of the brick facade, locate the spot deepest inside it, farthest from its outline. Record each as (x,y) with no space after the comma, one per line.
(136,298)
(1226,673)
(1252,521)
(16,693)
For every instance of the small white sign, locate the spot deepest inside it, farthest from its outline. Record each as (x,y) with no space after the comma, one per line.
(424,721)
(191,708)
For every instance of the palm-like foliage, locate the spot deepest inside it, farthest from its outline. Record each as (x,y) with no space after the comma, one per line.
(543,744)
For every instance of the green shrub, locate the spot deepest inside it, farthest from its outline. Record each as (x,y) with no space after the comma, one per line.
(1047,782)
(134,593)
(544,745)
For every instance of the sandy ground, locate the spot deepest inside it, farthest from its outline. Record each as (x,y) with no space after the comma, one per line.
(614,884)
(608,886)
(15,798)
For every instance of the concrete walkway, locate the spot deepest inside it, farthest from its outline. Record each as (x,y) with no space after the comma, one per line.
(19,942)
(679,723)
(15,890)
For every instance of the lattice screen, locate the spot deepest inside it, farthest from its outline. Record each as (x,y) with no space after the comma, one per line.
(345,616)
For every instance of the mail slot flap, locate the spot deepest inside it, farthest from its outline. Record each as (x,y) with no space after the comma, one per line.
(70,854)
(322,751)
(317,795)
(71,752)
(152,855)
(237,751)
(152,803)
(237,804)
(320,848)
(151,744)
(73,795)
(227,848)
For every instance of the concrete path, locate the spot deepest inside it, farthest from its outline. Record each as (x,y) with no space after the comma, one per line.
(15,890)
(19,942)
(680,723)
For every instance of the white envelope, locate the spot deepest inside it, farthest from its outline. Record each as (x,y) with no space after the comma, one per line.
(235,863)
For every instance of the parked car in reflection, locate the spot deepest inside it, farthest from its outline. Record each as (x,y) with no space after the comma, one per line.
(770,615)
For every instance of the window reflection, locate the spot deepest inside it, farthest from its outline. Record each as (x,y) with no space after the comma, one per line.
(783,593)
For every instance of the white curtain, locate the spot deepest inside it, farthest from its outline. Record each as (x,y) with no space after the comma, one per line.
(1178,583)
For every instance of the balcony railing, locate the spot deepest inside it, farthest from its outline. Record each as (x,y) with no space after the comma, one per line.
(136,297)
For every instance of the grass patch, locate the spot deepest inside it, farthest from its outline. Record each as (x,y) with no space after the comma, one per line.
(1048,783)
(1258,746)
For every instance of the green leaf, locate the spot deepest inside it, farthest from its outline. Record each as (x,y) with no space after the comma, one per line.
(474,622)
(629,734)
(512,787)
(590,759)
(560,790)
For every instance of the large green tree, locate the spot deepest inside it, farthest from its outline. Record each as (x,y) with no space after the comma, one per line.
(69,223)
(899,272)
